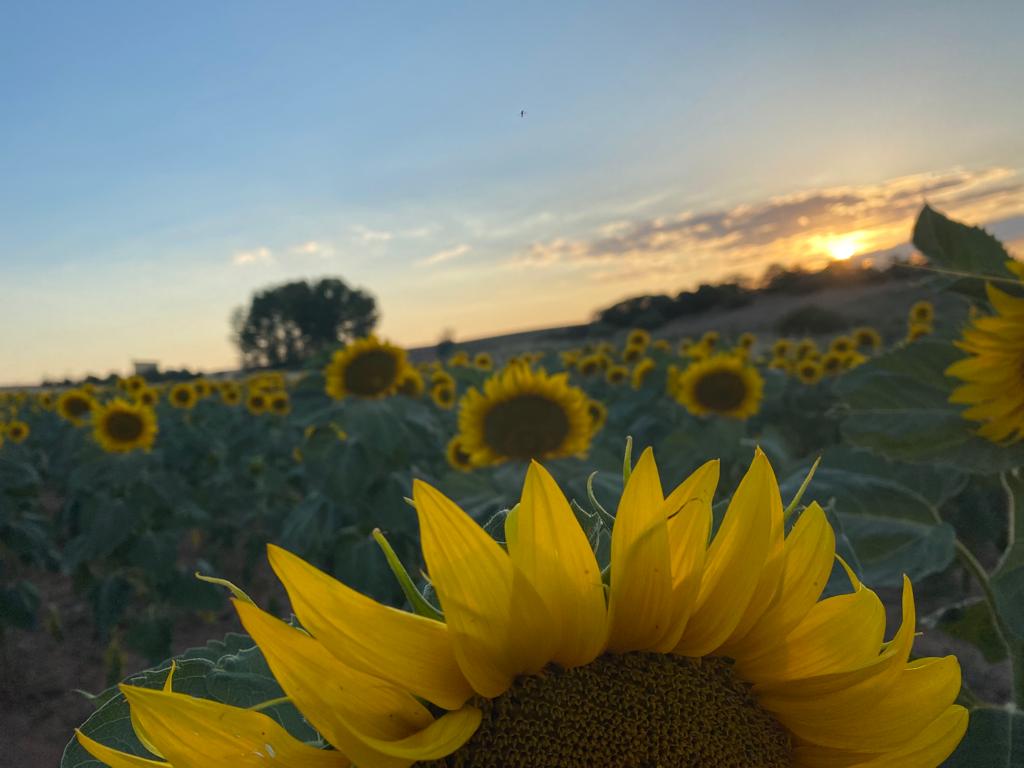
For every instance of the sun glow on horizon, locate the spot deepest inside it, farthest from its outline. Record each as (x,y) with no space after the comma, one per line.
(842,248)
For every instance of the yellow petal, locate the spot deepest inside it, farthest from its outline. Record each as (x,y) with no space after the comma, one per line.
(769,582)
(929,748)
(497,622)
(688,513)
(357,713)
(410,651)
(732,571)
(837,635)
(198,733)
(808,556)
(870,717)
(550,548)
(113,758)
(640,598)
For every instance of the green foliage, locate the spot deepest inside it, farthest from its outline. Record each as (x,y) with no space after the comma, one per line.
(961,249)
(811,319)
(286,324)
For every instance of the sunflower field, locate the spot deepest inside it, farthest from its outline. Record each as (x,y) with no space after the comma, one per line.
(482,567)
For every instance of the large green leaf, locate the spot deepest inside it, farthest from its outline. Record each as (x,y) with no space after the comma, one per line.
(893,529)
(898,406)
(1008,578)
(230,671)
(995,739)
(959,247)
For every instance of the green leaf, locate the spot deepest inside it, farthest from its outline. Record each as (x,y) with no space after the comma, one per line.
(1008,578)
(971,621)
(898,406)
(893,529)
(995,739)
(960,247)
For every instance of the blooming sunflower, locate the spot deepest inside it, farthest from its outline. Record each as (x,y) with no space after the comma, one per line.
(483,361)
(842,345)
(365,368)
(17,431)
(994,372)
(524,414)
(46,400)
(230,393)
(591,364)
(922,312)
(616,374)
(147,396)
(598,414)
(638,337)
(661,345)
(202,387)
(443,395)
(457,456)
(832,363)
(459,360)
(631,354)
(808,371)
(279,403)
(183,395)
(120,426)
(782,348)
(257,402)
(746,340)
(722,385)
(783,364)
(867,338)
(806,348)
(719,654)
(75,405)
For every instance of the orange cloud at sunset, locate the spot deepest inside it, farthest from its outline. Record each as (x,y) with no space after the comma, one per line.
(809,227)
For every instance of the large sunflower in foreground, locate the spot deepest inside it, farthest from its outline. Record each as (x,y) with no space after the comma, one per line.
(365,368)
(120,426)
(715,655)
(994,373)
(524,414)
(722,385)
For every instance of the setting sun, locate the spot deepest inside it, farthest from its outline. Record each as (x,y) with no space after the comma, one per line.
(842,248)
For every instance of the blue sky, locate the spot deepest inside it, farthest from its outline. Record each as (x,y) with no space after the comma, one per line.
(158,163)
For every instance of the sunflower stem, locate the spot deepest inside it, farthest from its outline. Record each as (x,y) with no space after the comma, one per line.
(593,499)
(1014,647)
(414,596)
(800,491)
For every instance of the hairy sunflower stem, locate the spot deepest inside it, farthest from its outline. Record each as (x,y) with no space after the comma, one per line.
(1014,647)
(414,596)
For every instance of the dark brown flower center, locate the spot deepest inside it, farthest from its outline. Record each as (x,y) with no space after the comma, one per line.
(525,427)
(636,710)
(720,391)
(371,373)
(123,426)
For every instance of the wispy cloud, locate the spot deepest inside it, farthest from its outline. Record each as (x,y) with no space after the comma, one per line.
(788,229)
(367,235)
(261,255)
(312,248)
(446,255)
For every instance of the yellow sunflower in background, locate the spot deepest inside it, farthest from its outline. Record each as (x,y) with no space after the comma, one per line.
(598,413)
(867,338)
(524,414)
(638,337)
(75,405)
(591,364)
(230,392)
(808,371)
(365,368)
(842,345)
(202,388)
(148,396)
(410,383)
(443,395)
(783,364)
(616,374)
(661,345)
(921,313)
(994,372)
(782,348)
(46,400)
(459,360)
(183,395)
(632,353)
(257,402)
(641,371)
(457,455)
(16,431)
(746,340)
(120,426)
(483,362)
(279,403)
(684,345)
(722,385)
(831,364)
(569,357)
(134,384)
(806,348)
(717,654)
